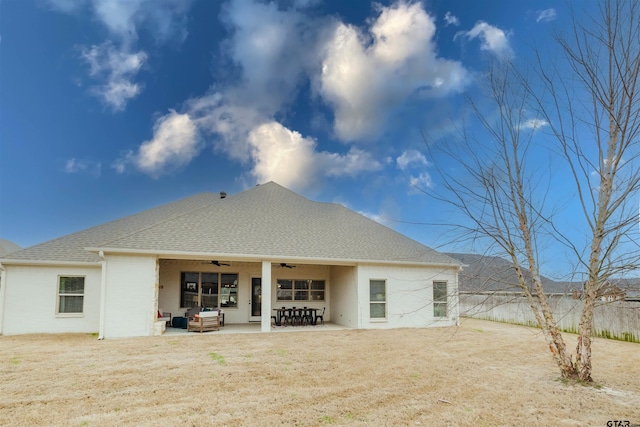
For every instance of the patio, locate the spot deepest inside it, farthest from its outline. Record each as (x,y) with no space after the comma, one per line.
(254,328)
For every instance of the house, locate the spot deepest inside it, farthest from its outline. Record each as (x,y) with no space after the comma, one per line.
(607,292)
(7,247)
(247,253)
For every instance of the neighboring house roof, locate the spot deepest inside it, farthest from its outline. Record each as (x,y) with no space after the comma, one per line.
(7,247)
(494,274)
(609,289)
(265,221)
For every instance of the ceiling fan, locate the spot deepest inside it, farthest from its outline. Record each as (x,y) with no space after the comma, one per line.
(285,265)
(218,263)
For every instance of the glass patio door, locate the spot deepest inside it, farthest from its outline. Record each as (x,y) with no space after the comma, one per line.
(256,299)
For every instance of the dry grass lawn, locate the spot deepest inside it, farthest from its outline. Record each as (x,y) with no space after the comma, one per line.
(481,374)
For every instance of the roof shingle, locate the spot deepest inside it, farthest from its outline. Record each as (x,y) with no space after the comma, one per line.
(267,220)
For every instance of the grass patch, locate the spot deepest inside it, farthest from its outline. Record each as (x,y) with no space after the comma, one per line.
(326,419)
(567,381)
(217,358)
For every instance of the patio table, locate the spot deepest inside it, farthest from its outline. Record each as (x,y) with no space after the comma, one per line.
(301,312)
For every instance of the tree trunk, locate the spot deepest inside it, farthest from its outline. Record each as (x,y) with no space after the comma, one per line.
(583,349)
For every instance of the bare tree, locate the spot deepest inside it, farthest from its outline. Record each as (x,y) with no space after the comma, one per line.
(604,56)
(582,112)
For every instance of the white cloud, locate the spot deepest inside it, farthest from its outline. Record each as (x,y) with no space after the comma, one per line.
(410,157)
(412,163)
(118,69)
(379,218)
(288,158)
(272,151)
(451,19)
(228,120)
(493,39)
(352,163)
(164,20)
(282,155)
(546,15)
(422,181)
(116,65)
(90,167)
(272,47)
(364,76)
(174,144)
(275,51)
(119,17)
(534,124)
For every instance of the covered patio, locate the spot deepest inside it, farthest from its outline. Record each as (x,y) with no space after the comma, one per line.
(255,327)
(253,293)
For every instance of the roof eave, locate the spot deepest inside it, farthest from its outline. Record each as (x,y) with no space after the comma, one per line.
(9,261)
(263,257)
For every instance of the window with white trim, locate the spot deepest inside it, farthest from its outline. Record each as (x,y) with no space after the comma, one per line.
(70,294)
(209,290)
(377,299)
(300,290)
(439,299)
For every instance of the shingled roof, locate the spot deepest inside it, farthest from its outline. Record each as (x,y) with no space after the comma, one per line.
(267,221)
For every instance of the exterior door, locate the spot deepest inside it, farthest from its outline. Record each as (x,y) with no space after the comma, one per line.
(256,299)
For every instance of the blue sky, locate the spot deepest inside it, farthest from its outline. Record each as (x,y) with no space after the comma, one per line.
(111,107)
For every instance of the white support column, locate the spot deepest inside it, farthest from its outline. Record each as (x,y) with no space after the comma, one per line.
(265,321)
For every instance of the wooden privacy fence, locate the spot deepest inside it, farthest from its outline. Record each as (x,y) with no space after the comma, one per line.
(616,320)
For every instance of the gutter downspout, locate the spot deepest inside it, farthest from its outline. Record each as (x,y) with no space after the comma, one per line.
(3,290)
(103,295)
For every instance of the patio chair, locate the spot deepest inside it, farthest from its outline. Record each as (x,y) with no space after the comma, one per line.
(286,317)
(296,316)
(320,316)
(164,315)
(191,313)
(307,316)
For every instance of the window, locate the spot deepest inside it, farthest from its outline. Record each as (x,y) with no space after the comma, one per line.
(229,290)
(317,290)
(377,299)
(209,295)
(439,299)
(211,290)
(300,290)
(190,289)
(70,294)
(285,290)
